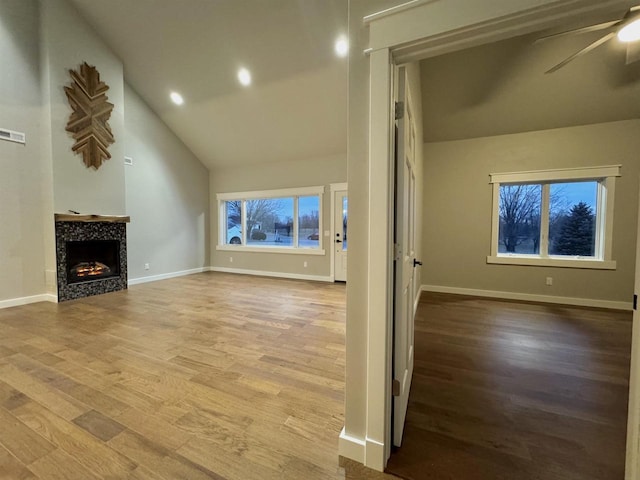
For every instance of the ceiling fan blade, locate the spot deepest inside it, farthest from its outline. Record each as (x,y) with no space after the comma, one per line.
(634,9)
(633,52)
(576,31)
(584,51)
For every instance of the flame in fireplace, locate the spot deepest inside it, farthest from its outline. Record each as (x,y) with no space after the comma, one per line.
(90,269)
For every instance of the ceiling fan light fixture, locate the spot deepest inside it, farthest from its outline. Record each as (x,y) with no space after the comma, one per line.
(176,98)
(630,32)
(244,77)
(342,46)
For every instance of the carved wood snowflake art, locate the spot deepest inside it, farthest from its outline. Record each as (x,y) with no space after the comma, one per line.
(89,122)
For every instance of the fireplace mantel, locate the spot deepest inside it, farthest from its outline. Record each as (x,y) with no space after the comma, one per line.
(72,217)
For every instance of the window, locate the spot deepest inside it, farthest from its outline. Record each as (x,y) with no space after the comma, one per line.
(309,222)
(233,224)
(270,222)
(560,218)
(282,221)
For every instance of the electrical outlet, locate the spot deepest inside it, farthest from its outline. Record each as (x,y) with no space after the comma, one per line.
(549,281)
(146,266)
(231,259)
(305,264)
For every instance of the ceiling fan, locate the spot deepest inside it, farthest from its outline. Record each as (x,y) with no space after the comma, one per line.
(627,29)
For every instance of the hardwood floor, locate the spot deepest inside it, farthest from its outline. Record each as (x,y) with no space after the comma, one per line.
(210,376)
(505,390)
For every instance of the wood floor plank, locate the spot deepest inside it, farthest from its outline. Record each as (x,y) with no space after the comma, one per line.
(58,402)
(156,429)
(99,425)
(13,469)
(20,440)
(208,376)
(87,450)
(512,390)
(165,463)
(59,465)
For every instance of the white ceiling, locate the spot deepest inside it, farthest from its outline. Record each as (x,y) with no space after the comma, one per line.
(501,88)
(296,107)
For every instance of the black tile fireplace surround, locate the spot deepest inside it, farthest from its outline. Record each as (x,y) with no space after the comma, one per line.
(91,255)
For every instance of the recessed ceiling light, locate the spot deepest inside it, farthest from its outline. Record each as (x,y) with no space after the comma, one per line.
(342,46)
(244,76)
(631,32)
(176,98)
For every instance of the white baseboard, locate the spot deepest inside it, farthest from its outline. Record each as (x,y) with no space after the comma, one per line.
(351,447)
(374,455)
(368,452)
(260,273)
(529,297)
(14,302)
(165,276)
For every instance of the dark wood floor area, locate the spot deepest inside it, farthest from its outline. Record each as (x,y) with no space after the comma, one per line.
(517,391)
(210,376)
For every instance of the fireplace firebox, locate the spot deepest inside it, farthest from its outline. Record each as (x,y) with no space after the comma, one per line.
(90,260)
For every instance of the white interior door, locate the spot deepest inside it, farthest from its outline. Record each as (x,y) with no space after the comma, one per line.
(632,469)
(340,204)
(404,240)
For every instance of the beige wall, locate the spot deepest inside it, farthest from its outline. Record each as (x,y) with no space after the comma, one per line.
(21,230)
(457,203)
(39,42)
(167,197)
(303,173)
(68,41)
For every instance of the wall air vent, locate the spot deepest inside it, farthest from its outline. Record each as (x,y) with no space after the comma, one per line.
(12,136)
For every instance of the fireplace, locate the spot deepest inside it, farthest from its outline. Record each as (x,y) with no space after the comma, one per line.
(91,260)
(91,253)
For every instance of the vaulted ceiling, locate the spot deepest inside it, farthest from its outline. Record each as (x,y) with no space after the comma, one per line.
(296,107)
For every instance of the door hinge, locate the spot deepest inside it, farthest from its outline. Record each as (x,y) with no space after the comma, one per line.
(635,302)
(395,388)
(397,251)
(399,113)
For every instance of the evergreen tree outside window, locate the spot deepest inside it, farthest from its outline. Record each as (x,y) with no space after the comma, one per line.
(577,236)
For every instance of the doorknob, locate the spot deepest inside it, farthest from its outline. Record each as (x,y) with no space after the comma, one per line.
(338,241)
(416,262)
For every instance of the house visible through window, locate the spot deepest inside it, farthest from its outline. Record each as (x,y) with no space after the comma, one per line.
(556,217)
(287,221)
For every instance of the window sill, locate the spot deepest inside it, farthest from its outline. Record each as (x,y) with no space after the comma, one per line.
(552,262)
(285,250)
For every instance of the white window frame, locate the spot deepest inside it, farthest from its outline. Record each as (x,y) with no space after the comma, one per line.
(294,193)
(606,178)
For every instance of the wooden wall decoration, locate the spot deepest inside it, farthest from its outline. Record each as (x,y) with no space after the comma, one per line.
(89,121)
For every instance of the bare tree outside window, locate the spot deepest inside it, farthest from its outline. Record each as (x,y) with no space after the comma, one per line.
(269,221)
(519,218)
(309,222)
(234,213)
